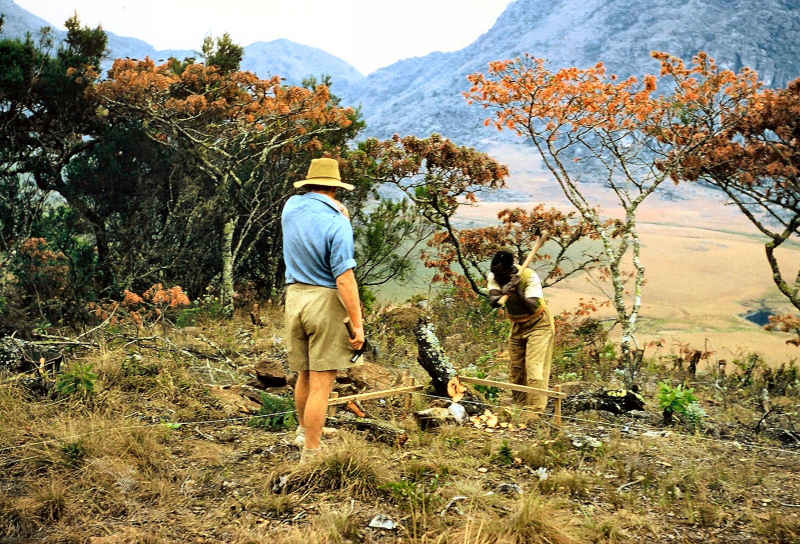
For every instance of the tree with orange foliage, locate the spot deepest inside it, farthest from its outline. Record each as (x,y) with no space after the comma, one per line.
(744,140)
(518,231)
(588,126)
(230,125)
(437,177)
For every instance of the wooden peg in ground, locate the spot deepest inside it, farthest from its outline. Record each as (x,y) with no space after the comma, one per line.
(526,263)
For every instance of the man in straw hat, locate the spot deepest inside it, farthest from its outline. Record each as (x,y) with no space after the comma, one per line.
(321,292)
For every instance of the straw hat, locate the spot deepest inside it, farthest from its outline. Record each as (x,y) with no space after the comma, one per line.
(324,172)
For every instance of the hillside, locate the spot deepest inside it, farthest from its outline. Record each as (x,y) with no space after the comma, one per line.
(423,95)
(290,60)
(169,446)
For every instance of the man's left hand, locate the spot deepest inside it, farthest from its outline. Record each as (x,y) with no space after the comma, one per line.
(512,284)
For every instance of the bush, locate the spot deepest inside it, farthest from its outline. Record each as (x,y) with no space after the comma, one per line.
(78,380)
(273,404)
(675,400)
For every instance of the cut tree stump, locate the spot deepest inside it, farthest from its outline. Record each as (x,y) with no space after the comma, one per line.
(438,366)
(375,429)
(617,401)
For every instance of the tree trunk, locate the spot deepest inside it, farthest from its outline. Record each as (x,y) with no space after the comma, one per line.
(226,289)
(377,430)
(438,366)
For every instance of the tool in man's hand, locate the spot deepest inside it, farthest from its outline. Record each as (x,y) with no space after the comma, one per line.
(539,243)
(367,347)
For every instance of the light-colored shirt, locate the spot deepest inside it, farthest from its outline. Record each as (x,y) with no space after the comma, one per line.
(530,286)
(317,240)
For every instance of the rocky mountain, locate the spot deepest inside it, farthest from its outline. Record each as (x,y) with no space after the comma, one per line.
(423,95)
(290,60)
(295,62)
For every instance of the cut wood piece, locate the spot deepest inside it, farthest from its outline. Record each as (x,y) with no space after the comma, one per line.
(353,407)
(376,394)
(617,401)
(455,389)
(512,386)
(439,367)
(375,429)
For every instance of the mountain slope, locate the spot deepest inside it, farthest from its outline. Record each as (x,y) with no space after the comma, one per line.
(423,95)
(290,60)
(295,61)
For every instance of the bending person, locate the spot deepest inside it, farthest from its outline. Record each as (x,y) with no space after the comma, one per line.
(530,345)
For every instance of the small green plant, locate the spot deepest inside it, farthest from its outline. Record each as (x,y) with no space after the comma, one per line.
(74,452)
(276,414)
(695,415)
(172,425)
(674,400)
(78,380)
(418,496)
(489,392)
(505,456)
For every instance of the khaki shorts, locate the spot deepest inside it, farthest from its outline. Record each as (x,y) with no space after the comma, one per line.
(316,336)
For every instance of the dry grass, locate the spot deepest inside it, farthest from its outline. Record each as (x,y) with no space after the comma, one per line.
(350,466)
(114,472)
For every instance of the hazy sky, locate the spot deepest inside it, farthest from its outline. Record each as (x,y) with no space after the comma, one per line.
(368,34)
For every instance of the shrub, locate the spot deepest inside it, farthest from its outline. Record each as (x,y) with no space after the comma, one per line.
(505,456)
(283,408)
(695,415)
(417,496)
(78,380)
(675,400)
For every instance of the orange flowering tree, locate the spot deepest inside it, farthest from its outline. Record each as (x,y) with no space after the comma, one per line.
(518,231)
(155,305)
(437,177)
(588,126)
(744,140)
(231,126)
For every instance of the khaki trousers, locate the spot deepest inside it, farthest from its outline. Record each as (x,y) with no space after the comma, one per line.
(530,349)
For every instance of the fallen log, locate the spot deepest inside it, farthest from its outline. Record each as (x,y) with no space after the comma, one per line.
(438,366)
(617,401)
(375,429)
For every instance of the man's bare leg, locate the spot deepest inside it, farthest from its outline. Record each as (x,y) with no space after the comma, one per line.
(301,395)
(315,407)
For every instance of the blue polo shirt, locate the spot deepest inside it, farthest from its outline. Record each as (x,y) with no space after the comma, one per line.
(317,240)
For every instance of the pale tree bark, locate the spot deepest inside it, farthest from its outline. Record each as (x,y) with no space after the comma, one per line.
(226,289)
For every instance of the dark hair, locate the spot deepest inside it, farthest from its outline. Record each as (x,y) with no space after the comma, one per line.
(503,261)
(310,188)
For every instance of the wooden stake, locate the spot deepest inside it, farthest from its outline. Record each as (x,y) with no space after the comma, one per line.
(332,405)
(557,408)
(512,386)
(409,399)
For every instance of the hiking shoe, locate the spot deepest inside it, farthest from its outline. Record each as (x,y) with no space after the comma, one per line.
(308,455)
(300,437)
